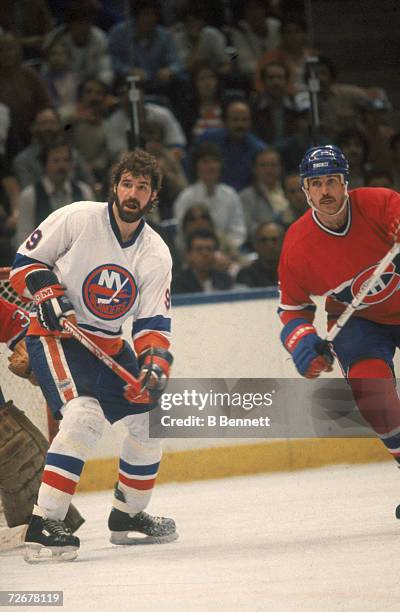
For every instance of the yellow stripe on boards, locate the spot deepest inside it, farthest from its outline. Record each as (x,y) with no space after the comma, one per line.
(240,460)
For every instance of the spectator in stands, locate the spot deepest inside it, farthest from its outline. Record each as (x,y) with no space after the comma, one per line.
(140,47)
(238,145)
(292,52)
(88,45)
(105,13)
(226,259)
(5,125)
(54,189)
(88,127)
(273,112)
(222,201)
(292,148)
(295,195)
(374,116)
(254,36)
(27,165)
(200,274)
(61,80)
(198,43)
(9,206)
(265,200)
(21,89)
(174,179)
(379,178)
(204,109)
(395,155)
(263,272)
(118,123)
(338,103)
(29,21)
(355,147)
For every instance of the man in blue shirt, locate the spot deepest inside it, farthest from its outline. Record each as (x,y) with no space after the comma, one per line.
(237,144)
(140,47)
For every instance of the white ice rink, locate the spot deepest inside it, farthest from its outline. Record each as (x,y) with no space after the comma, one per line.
(316,540)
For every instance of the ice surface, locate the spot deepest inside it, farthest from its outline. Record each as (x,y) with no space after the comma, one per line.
(316,540)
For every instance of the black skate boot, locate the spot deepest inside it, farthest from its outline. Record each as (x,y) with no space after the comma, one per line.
(49,540)
(154,529)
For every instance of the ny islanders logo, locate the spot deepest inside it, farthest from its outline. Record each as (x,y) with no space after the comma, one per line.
(109,291)
(384,287)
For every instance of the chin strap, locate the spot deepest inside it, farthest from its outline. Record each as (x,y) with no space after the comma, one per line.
(345,201)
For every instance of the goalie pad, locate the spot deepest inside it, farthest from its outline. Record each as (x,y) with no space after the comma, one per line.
(23,450)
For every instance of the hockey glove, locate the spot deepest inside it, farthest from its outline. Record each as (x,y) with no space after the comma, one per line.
(394,229)
(311,354)
(51,302)
(19,363)
(154,366)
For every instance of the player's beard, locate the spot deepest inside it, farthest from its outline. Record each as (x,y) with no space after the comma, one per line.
(128,215)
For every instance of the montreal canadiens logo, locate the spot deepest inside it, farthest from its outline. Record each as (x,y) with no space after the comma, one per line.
(109,291)
(384,287)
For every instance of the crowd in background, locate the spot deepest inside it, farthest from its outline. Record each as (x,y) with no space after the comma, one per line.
(223,105)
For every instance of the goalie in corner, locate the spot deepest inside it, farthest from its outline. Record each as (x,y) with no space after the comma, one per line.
(23,447)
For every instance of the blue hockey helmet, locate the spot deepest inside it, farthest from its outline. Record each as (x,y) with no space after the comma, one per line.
(326,159)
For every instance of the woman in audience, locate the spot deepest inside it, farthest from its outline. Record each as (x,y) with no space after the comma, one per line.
(205,109)
(61,80)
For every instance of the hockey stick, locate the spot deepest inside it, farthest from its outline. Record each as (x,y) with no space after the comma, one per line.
(100,354)
(365,289)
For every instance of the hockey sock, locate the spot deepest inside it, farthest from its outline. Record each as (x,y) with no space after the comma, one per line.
(375,393)
(80,429)
(138,467)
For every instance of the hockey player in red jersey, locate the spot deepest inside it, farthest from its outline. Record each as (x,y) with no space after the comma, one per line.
(100,264)
(331,251)
(13,325)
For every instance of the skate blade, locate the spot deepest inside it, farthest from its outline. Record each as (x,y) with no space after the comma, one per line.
(36,553)
(123,537)
(12,537)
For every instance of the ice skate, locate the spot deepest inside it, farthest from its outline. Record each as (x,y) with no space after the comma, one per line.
(147,529)
(49,540)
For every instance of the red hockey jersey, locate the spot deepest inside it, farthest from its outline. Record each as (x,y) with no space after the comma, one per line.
(13,323)
(318,261)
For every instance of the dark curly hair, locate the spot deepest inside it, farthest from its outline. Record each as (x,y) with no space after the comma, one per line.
(138,163)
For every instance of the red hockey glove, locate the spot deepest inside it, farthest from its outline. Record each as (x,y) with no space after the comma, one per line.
(394,229)
(155,365)
(154,373)
(51,302)
(311,354)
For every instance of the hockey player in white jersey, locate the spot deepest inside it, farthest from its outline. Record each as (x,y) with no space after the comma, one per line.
(98,264)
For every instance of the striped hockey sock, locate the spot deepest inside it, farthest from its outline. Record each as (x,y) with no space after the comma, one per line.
(60,477)
(136,482)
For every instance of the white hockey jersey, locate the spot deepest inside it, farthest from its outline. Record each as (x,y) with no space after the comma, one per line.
(106,280)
